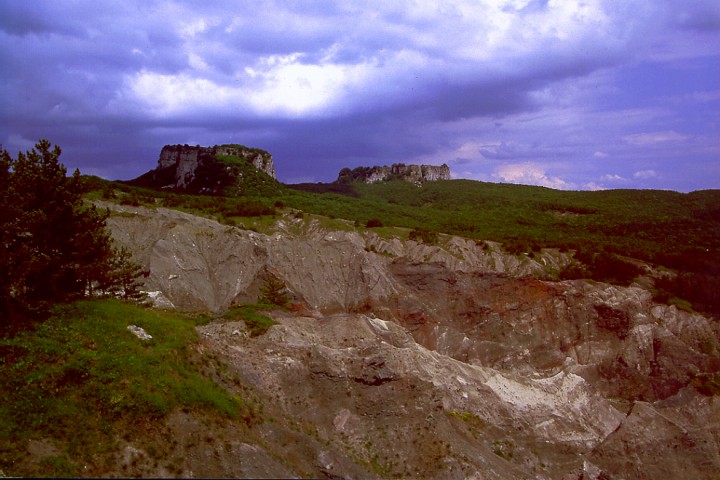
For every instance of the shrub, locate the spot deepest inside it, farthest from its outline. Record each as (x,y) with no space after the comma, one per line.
(612,268)
(573,271)
(274,292)
(245,208)
(256,322)
(424,236)
(516,246)
(374,223)
(701,289)
(603,267)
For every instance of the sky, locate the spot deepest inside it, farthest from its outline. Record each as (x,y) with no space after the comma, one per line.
(573,95)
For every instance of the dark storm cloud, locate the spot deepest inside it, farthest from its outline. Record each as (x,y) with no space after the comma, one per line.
(567,94)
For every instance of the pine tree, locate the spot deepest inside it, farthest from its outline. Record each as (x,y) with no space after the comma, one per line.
(274,292)
(54,246)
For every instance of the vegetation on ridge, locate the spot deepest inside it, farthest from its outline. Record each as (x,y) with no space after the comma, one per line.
(83,363)
(605,230)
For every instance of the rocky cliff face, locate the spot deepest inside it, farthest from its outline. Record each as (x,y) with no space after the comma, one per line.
(203,169)
(411,173)
(400,359)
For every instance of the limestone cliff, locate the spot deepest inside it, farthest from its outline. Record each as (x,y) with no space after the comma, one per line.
(417,174)
(400,359)
(216,170)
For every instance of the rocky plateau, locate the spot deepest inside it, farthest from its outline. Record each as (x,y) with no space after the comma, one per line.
(196,169)
(417,174)
(398,359)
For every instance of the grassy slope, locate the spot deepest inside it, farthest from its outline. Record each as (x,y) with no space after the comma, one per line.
(649,224)
(639,223)
(660,226)
(83,363)
(670,229)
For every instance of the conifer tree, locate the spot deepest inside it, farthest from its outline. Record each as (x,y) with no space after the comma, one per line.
(54,246)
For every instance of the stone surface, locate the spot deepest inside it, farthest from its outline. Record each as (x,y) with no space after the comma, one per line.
(444,361)
(139,332)
(417,174)
(198,263)
(197,169)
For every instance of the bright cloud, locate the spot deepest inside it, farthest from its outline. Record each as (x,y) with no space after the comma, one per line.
(545,92)
(612,177)
(285,88)
(592,186)
(645,174)
(530,174)
(276,85)
(647,139)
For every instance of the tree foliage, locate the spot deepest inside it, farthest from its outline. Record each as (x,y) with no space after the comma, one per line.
(54,247)
(274,292)
(422,235)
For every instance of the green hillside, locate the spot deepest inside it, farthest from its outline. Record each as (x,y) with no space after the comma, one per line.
(604,229)
(647,224)
(83,363)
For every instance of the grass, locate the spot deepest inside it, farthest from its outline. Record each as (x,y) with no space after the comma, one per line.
(261,224)
(256,322)
(84,363)
(681,304)
(469,418)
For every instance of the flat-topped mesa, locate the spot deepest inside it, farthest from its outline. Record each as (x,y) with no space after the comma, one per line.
(185,158)
(417,174)
(206,169)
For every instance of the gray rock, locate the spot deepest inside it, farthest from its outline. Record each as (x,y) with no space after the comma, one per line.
(139,332)
(445,361)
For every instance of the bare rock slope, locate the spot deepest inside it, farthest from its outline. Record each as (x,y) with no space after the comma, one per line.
(449,361)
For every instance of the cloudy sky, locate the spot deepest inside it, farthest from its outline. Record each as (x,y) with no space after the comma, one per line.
(569,94)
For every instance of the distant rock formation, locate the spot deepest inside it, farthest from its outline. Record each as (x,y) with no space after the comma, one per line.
(199,169)
(417,174)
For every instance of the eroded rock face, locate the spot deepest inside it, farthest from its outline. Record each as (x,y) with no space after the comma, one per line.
(197,169)
(364,386)
(444,361)
(198,263)
(417,174)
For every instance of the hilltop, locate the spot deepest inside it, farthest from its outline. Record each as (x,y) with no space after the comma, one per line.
(232,169)
(417,174)
(455,329)
(219,170)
